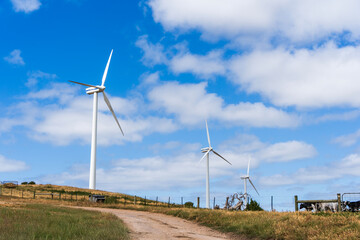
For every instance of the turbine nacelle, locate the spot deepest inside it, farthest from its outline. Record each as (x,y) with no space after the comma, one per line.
(204,150)
(92,90)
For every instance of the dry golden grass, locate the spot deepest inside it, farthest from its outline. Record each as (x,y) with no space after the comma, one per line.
(257,225)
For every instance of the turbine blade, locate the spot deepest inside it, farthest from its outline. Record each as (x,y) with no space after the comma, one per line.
(204,155)
(253,186)
(248,167)
(207,131)
(222,157)
(112,111)
(88,85)
(106,70)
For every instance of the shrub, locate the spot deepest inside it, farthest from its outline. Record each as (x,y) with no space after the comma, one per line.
(189,204)
(24,183)
(32,183)
(253,206)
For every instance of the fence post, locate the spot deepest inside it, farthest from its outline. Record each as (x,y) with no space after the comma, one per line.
(59,195)
(272,203)
(52,195)
(296,203)
(0,190)
(156,200)
(214,203)
(182,201)
(227,203)
(135,200)
(34,194)
(339,202)
(169,202)
(198,202)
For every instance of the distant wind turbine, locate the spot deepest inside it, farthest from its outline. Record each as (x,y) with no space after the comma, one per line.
(207,151)
(95,90)
(247,177)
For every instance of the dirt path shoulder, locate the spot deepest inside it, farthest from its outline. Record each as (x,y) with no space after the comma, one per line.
(145,225)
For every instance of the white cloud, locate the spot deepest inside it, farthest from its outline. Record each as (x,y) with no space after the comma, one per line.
(8,165)
(323,77)
(15,58)
(206,66)
(192,104)
(181,163)
(348,140)
(26,6)
(287,151)
(296,20)
(58,115)
(153,53)
(243,147)
(347,167)
(35,76)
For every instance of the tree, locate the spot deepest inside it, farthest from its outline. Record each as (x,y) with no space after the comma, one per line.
(253,206)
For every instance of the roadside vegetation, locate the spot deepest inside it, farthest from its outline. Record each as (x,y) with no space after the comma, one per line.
(41,221)
(252,224)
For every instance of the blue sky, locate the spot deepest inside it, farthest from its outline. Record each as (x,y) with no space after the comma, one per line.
(278,82)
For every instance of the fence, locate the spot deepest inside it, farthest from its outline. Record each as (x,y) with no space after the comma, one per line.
(351,197)
(338,200)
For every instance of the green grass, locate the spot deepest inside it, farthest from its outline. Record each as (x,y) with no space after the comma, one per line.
(38,221)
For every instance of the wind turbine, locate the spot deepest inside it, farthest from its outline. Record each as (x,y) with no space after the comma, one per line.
(95,90)
(207,151)
(247,177)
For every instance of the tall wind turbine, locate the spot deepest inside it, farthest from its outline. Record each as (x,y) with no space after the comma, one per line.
(95,90)
(207,151)
(247,177)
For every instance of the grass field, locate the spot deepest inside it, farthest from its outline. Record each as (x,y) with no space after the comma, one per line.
(253,225)
(270,225)
(39,221)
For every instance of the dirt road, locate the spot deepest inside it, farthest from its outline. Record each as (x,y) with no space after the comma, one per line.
(145,225)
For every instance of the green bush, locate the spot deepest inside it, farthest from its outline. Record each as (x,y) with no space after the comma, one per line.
(189,204)
(253,206)
(32,183)
(24,183)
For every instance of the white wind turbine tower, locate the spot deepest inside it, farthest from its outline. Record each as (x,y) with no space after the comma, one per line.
(207,151)
(247,177)
(95,90)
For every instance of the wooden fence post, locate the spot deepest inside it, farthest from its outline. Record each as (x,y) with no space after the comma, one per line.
(169,202)
(214,203)
(157,200)
(339,202)
(198,202)
(52,196)
(135,200)
(145,200)
(34,194)
(227,203)
(272,203)
(182,202)
(296,203)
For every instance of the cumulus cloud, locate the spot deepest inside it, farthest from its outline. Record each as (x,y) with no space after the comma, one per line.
(348,166)
(192,104)
(181,163)
(322,77)
(8,165)
(26,6)
(15,58)
(297,21)
(58,115)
